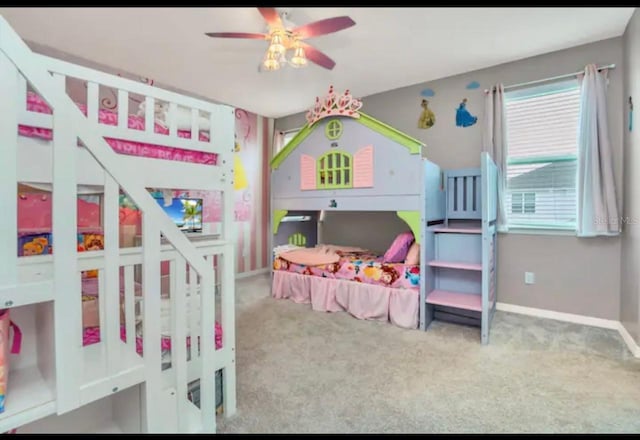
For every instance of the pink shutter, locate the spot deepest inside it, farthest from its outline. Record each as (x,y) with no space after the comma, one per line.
(307,172)
(363,168)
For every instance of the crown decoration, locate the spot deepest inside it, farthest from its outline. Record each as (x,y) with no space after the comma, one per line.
(333,105)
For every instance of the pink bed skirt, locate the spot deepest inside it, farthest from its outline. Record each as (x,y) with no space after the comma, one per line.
(364,301)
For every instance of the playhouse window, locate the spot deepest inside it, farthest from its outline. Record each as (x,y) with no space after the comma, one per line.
(298,239)
(334,170)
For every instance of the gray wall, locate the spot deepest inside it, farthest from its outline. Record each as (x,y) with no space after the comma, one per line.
(629,302)
(373,230)
(580,276)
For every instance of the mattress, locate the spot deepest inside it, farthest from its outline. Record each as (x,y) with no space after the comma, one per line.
(365,268)
(108,117)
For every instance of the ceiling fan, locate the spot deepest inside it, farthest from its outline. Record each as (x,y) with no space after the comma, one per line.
(285,36)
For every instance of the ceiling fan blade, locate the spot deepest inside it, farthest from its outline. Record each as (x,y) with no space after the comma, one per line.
(315,56)
(271,16)
(236,35)
(323,27)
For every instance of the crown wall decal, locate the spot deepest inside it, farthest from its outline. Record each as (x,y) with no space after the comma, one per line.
(333,105)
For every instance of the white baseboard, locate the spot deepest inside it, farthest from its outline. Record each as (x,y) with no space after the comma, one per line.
(628,339)
(559,316)
(576,319)
(242,275)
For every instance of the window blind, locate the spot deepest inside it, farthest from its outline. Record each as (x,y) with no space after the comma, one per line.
(542,145)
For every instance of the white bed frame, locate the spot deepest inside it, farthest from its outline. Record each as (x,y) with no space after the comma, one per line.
(56,384)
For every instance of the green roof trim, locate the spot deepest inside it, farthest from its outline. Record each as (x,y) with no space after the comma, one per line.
(411,218)
(413,145)
(278,215)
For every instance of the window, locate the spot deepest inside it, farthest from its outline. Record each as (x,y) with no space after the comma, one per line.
(298,239)
(284,140)
(523,203)
(333,129)
(335,170)
(542,151)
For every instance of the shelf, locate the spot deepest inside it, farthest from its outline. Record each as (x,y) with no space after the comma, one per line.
(452,265)
(28,399)
(26,293)
(458,230)
(466,301)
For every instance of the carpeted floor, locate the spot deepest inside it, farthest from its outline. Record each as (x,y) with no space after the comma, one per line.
(312,372)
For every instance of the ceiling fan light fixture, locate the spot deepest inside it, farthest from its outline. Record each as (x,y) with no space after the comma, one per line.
(277,45)
(271,61)
(299,58)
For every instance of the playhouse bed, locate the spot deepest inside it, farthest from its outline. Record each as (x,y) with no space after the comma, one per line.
(360,284)
(135,122)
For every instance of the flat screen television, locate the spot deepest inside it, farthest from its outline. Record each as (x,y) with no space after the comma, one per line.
(186,213)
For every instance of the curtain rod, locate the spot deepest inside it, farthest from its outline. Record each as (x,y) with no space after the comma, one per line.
(568,75)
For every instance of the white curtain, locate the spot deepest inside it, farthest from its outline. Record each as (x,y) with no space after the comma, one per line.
(597,206)
(494,142)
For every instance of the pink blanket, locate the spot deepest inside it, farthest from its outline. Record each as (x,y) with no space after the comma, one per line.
(91,336)
(107,117)
(311,256)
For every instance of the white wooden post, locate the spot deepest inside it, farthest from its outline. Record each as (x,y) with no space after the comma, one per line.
(151,323)
(229,328)
(111,331)
(129,307)
(222,126)
(9,103)
(178,295)
(123,109)
(173,123)
(150,114)
(67,306)
(93,101)
(207,349)
(195,124)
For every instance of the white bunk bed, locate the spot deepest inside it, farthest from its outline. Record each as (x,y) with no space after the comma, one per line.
(56,384)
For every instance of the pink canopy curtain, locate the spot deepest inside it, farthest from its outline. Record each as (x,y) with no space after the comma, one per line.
(597,206)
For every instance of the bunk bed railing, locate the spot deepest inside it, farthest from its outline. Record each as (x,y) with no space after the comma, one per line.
(18,64)
(464,195)
(124,89)
(489,172)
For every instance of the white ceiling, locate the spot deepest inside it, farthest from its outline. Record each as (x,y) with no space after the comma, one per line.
(386,49)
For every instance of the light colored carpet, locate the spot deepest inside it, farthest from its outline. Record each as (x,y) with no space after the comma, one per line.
(311,372)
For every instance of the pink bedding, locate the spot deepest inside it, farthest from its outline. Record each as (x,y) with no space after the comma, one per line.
(37,104)
(311,257)
(363,301)
(92,336)
(360,267)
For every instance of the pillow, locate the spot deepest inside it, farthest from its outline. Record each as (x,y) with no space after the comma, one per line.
(413,256)
(398,250)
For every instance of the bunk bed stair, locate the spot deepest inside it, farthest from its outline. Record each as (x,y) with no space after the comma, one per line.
(462,252)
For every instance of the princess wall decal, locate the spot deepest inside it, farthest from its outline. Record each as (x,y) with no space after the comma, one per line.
(463,117)
(427,117)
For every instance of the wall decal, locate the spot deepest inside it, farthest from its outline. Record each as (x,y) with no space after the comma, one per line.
(630,114)
(427,117)
(473,85)
(463,117)
(427,93)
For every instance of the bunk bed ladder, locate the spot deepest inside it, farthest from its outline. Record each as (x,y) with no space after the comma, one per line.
(19,64)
